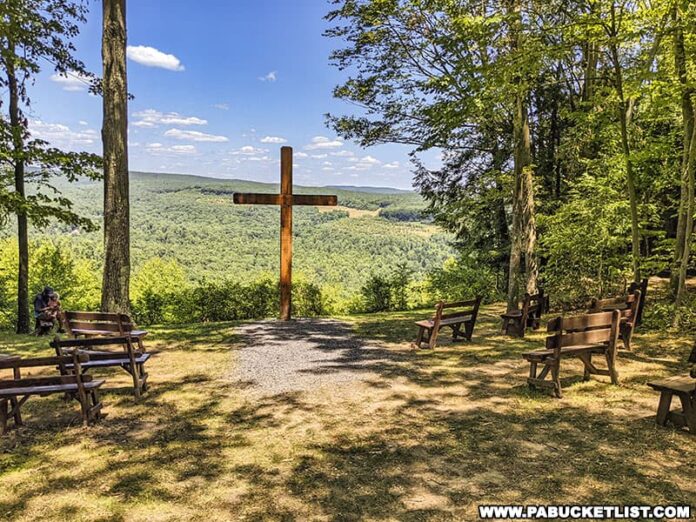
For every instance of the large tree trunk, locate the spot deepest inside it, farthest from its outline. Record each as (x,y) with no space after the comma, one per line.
(116,279)
(624,119)
(690,169)
(23,319)
(686,204)
(523,266)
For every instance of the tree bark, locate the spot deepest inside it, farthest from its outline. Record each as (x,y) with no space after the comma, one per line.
(686,204)
(523,266)
(116,277)
(23,320)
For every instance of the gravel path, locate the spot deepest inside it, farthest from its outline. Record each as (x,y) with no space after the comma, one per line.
(306,354)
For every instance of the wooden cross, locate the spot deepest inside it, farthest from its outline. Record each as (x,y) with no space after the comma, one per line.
(286,200)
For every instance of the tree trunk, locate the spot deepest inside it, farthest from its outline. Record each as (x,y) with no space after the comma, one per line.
(690,169)
(624,109)
(523,266)
(116,279)
(23,319)
(686,203)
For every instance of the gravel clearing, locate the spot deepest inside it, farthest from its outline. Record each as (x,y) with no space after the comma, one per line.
(305,354)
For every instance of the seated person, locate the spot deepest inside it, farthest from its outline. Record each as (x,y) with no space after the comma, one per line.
(47,311)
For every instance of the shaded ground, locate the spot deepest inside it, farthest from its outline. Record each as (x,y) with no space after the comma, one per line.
(386,433)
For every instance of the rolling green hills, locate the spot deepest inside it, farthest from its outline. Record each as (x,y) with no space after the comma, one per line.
(193,220)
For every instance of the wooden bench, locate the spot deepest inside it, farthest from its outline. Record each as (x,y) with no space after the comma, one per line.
(16,391)
(461,313)
(683,387)
(628,306)
(100,324)
(515,322)
(578,337)
(128,358)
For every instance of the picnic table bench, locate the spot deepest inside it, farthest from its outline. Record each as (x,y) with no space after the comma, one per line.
(461,313)
(684,387)
(628,305)
(515,322)
(578,337)
(16,391)
(102,324)
(128,358)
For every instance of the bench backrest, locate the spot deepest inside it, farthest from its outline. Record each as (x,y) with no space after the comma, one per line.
(580,330)
(533,304)
(629,306)
(98,322)
(68,346)
(457,309)
(76,359)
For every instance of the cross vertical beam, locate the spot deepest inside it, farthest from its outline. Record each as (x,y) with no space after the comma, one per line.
(285,233)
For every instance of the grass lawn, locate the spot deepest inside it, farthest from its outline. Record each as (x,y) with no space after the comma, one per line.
(430,436)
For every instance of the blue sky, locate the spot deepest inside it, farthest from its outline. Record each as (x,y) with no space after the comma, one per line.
(219,86)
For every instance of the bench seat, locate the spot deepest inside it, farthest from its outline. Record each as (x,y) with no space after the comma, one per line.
(116,361)
(540,355)
(48,389)
(684,387)
(681,384)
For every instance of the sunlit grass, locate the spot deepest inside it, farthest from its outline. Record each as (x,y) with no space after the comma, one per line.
(430,435)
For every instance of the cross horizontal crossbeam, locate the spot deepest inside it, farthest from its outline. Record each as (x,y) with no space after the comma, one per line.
(283,199)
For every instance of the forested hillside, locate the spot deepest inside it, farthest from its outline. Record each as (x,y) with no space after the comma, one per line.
(190,226)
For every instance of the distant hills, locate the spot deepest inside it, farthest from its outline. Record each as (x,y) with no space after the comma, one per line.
(193,220)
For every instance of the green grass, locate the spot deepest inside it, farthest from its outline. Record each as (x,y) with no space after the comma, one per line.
(429,436)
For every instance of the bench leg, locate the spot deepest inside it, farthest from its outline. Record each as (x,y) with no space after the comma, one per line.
(3,415)
(611,365)
(419,338)
(469,330)
(432,340)
(664,407)
(556,378)
(532,373)
(689,412)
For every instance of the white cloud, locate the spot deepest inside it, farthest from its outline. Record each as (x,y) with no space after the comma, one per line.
(327,169)
(61,135)
(270,77)
(153,118)
(83,123)
(158,148)
(195,136)
(151,57)
(392,165)
(273,139)
(248,150)
(222,106)
(364,163)
(343,154)
(71,81)
(322,142)
(370,160)
(301,155)
(319,156)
